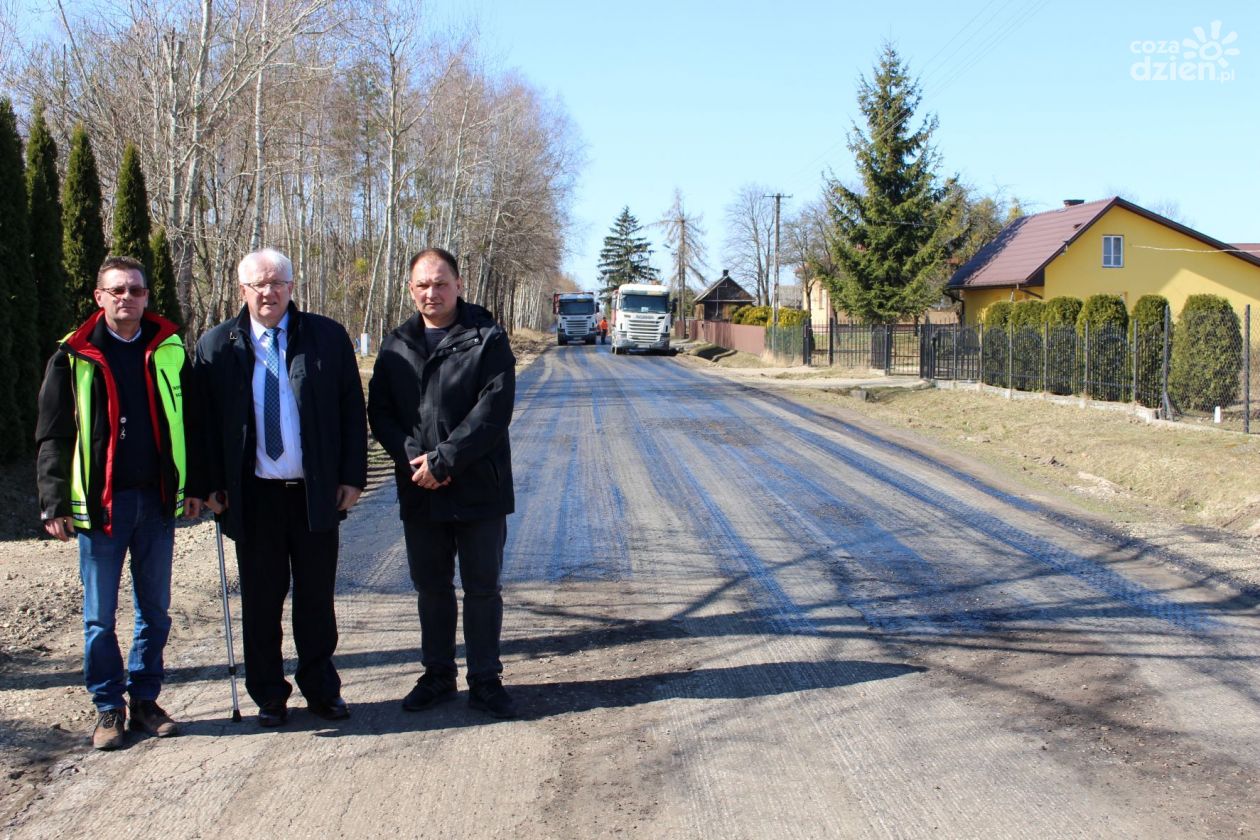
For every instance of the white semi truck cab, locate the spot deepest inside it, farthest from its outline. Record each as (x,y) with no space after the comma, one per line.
(641,319)
(576,317)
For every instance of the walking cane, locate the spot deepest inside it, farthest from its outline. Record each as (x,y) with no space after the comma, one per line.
(227,622)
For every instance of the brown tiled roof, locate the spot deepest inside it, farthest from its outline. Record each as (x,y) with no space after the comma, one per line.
(1021,251)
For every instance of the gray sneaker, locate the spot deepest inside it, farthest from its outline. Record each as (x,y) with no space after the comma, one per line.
(148,716)
(108,734)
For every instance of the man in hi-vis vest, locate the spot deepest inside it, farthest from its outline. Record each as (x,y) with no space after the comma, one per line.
(111,465)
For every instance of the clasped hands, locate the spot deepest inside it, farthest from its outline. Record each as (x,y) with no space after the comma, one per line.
(422,477)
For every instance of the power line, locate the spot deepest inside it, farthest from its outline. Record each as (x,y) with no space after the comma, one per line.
(1200,250)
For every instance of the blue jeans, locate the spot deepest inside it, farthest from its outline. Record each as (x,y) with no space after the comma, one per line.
(144,528)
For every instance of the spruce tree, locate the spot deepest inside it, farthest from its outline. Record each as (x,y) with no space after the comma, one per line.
(19,370)
(131,214)
(83,233)
(624,257)
(162,297)
(44,205)
(890,240)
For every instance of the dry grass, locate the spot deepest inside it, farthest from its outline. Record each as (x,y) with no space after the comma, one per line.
(1106,460)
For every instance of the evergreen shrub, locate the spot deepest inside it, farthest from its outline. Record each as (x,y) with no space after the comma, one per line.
(1148,348)
(1206,354)
(996,319)
(1103,325)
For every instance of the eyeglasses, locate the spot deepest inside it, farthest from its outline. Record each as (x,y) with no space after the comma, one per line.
(267,287)
(123,291)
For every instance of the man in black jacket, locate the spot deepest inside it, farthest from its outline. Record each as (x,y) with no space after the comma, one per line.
(286,446)
(440,402)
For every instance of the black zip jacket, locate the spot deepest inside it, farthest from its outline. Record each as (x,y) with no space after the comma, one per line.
(455,406)
(324,375)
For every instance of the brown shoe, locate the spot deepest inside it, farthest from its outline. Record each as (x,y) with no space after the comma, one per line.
(108,734)
(148,716)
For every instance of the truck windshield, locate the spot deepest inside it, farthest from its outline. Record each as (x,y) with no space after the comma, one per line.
(644,303)
(577,307)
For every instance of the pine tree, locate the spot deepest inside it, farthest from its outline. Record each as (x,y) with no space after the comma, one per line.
(624,257)
(131,213)
(890,241)
(19,353)
(83,233)
(162,298)
(44,206)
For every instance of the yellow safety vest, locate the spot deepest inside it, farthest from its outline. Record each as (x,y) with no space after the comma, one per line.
(168,359)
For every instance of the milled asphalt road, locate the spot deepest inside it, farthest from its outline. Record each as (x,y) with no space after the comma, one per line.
(731,616)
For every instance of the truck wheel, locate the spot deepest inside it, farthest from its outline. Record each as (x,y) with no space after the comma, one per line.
(590,340)
(559,341)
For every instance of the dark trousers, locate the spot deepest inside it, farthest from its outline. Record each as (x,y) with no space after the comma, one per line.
(277,544)
(431,551)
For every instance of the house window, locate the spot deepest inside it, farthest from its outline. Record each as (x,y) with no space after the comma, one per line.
(1113,252)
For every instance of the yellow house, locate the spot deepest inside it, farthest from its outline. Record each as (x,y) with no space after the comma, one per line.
(1111,247)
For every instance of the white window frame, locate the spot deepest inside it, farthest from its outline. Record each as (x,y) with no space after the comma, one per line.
(1112,251)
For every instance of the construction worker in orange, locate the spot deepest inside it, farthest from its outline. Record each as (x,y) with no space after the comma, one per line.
(603,330)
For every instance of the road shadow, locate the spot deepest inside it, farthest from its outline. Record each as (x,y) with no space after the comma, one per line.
(538,701)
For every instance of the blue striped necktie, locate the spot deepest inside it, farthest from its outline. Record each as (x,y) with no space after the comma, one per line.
(274,441)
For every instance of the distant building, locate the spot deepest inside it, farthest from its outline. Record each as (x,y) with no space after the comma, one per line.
(1111,246)
(821,311)
(717,302)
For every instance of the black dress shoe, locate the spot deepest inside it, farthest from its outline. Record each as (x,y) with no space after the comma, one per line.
(334,709)
(273,715)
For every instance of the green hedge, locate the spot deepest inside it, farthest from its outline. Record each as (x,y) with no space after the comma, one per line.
(1103,326)
(1060,318)
(997,315)
(1027,325)
(1102,312)
(1206,354)
(996,349)
(1148,350)
(1062,311)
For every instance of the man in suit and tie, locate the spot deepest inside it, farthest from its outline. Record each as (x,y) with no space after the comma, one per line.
(286,449)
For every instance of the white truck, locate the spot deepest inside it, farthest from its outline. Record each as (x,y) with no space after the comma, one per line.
(641,317)
(576,317)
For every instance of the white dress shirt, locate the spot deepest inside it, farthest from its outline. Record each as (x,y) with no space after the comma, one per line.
(289,464)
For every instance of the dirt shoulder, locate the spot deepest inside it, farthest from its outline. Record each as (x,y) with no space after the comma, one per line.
(47,715)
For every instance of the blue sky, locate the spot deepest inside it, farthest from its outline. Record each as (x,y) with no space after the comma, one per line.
(1037,100)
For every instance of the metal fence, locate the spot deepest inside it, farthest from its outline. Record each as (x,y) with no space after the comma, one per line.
(1201,367)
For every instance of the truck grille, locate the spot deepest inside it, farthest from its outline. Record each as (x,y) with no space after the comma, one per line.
(643,328)
(577,326)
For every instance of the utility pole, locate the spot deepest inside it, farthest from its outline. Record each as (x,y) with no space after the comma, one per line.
(774,295)
(682,272)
